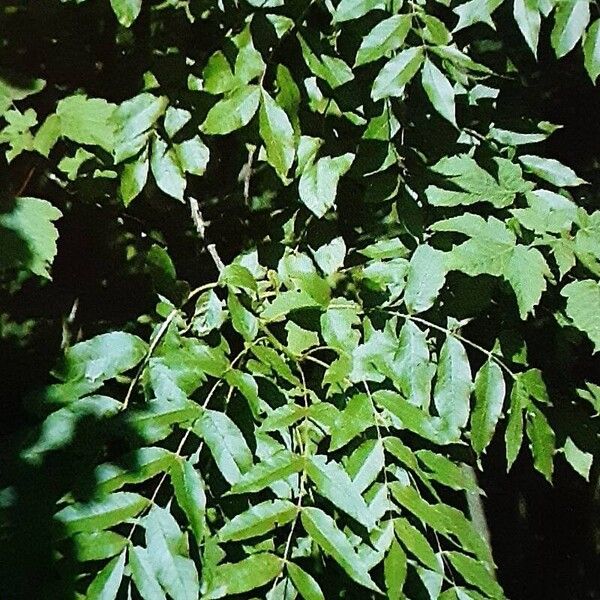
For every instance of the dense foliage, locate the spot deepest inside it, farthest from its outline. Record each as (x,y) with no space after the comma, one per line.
(364,275)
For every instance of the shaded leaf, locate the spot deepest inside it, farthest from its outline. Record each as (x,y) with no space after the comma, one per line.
(325,533)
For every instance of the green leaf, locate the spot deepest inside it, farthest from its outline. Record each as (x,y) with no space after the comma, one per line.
(570,20)
(413,371)
(154,421)
(425,278)
(454,383)
(226,443)
(333,483)
(443,518)
(384,38)
(277,134)
(167,170)
(234,112)
(547,212)
(98,545)
(526,271)
(542,440)
(277,467)
(319,182)
(415,419)
(514,429)
(396,73)
(476,11)
(218,76)
(353,420)
(47,135)
(175,572)
(237,578)
(289,97)
(551,170)
(591,50)
(365,464)
(353,9)
(583,308)
(489,249)
(106,584)
(258,520)
(31,222)
(330,257)
(60,427)
(476,184)
(475,574)
(133,178)
(272,360)
(243,321)
(416,543)
(127,11)
(189,493)
(142,573)
(395,570)
(443,470)
(175,119)
(102,357)
(238,276)
(287,302)
(337,326)
(133,120)
(325,533)
(249,64)
(439,91)
(528,19)
(581,461)
(101,514)
(299,340)
(490,390)
(193,156)
(87,121)
(329,68)
(309,589)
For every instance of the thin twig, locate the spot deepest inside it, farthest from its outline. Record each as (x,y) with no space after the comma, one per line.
(302,484)
(157,338)
(25,182)
(151,348)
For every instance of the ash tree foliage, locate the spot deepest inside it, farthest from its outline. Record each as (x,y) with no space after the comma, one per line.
(305,419)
